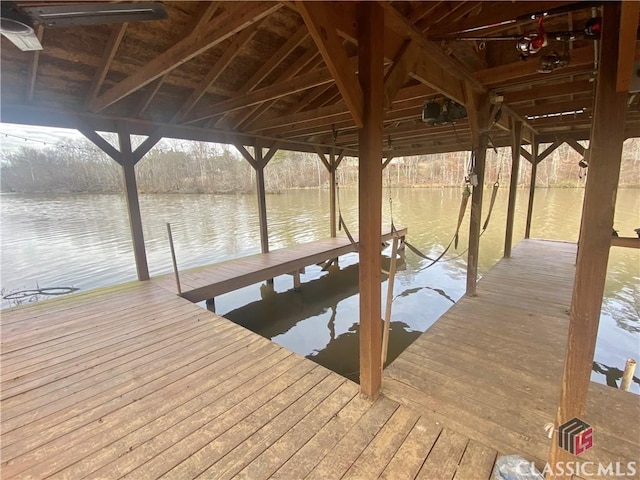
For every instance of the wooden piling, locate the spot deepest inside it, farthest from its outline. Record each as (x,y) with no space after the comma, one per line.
(173,259)
(627,376)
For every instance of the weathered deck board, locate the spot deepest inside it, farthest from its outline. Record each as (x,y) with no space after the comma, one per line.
(206,282)
(490,368)
(136,382)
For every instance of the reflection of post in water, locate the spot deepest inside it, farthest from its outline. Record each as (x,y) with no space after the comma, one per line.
(612,374)
(332,323)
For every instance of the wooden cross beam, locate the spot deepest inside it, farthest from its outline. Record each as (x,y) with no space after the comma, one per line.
(319,21)
(33,66)
(116,36)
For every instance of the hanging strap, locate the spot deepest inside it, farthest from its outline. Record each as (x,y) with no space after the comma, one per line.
(463,207)
(341,222)
(494,194)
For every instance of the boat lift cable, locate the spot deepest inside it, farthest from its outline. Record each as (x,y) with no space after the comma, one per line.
(463,206)
(341,222)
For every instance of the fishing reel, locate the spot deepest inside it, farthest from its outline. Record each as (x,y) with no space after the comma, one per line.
(532,42)
(553,61)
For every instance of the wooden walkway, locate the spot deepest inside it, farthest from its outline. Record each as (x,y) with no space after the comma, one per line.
(202,283)
(133,382)
(491,367)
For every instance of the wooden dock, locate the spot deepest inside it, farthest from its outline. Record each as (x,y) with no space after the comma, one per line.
(133,382)
(491,367)
(202,283)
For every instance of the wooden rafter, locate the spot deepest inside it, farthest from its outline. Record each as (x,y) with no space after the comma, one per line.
(443,13)
(319,20)
(423,9)
(548,91)
(283,52)
(241,39)
(113,43)
(399,72)
(298,84)
(218,30)
(149,94)
(33,66)
(298,66)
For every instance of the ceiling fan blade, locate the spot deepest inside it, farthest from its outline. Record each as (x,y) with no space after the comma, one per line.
(68,15)
(24,41)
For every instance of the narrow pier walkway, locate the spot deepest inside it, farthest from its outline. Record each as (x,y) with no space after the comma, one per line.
(490,368)
(209,281)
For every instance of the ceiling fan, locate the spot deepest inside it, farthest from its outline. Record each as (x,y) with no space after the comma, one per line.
(16,23)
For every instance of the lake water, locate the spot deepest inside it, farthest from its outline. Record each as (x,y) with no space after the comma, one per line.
(83,241)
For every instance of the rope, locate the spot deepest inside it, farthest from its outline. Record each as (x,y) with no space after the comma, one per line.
(341,223)
(20,294)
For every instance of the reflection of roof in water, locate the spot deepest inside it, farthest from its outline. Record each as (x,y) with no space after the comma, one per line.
(277,313)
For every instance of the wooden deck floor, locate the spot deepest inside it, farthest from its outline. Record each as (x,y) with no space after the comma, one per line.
(209,281)
(490,368)
(134,382)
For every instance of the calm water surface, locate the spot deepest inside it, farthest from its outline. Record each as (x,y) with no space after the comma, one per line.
(83,241)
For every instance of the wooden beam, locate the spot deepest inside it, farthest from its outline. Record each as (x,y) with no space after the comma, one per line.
(516,146)
(262,201)
(278,90)
(149,94)
(323,159)
(232,120)
(133,204)
(595,236)
(525,154)
(387,161)
(150,142)
(218,68)
(544,92)
(627,37)
(100,142)
(218,30)
(532,187)
(318,19)
(575,145)
(245,153)
(478,109)
(304,62)
(399,72)
(555,107)
(518,71)
(628,242)
(548,151)
(33,66)
(371,76)
(110,50)
(333,187)
(434,67)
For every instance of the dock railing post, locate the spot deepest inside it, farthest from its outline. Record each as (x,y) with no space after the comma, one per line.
(627,376)
(173,259)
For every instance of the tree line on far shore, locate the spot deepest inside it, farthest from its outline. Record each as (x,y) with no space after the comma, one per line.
(195,167)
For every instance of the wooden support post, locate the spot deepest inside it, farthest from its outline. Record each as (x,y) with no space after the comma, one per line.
(516,143)
(211,304)
(133,205)
(607,137)
(627,375)
(296,280)
(532,187)
(173,259)
(262,201)
(371,78)
(128,160)
(332,193)
(478,107)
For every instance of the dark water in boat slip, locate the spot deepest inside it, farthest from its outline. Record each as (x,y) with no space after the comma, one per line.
(83,241)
